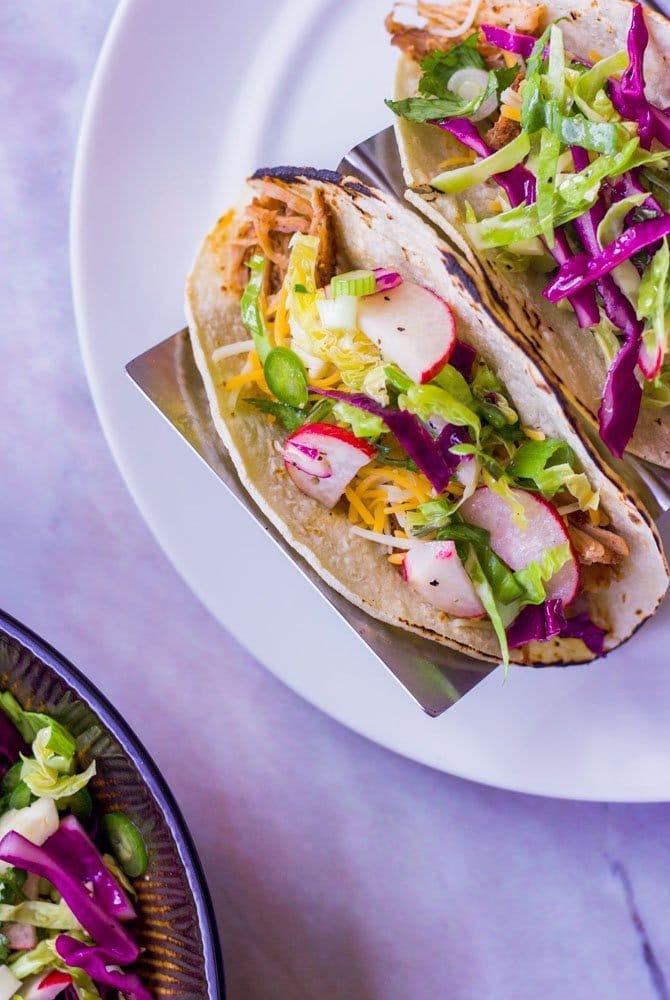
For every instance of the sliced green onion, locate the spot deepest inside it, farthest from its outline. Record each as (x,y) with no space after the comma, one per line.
(286,377)
(462,178)
(353,283)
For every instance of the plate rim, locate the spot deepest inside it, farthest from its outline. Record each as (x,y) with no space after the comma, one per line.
(77,204)
(151,776)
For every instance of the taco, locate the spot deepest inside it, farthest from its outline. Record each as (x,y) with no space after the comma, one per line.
(399,435)
(536,137)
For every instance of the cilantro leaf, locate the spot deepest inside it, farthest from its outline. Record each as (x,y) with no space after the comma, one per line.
(438,67)
(289,416)
(424,109)
(449,104)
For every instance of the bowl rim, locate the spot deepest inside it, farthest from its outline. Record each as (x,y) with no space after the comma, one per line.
(152,777)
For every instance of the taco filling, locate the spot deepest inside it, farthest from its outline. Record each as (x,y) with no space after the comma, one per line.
(577,160)
(381,412)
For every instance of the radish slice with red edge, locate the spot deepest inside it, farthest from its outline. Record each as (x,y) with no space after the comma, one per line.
(518,547)
(412,326)
(322,459)
(45,985)
(386,280)
(434,571)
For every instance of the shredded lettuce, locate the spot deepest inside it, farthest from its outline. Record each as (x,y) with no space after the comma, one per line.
(588,90)
(532,457)
(45,956)
(584,186)
(547,164)
(364,425)
(485,594)
(532,579)
(45,775)
(610,227)
(462,178)
(30,723)
(652,303)
(427,401)
(252,313)
(38,913)
(355,357)
(607,340)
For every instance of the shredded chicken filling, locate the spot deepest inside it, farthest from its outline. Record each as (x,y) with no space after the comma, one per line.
(267,225)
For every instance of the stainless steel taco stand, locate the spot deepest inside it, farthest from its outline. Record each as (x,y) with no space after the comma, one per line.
(434,675)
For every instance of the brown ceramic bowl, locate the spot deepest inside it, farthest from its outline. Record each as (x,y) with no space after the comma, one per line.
(182,960)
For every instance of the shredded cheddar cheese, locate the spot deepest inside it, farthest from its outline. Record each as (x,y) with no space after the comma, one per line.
(456,161)
(507,111)
(281,331)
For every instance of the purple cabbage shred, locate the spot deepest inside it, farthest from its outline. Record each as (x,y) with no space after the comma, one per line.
(519,185)
(95,962)
(407,429)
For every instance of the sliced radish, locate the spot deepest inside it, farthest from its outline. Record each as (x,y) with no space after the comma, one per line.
(412,325)
(36,822)
(650,361)
(9,984)
(434,570)
(322,459)
(45,985)
(519,547)
(21,937)
(386,279)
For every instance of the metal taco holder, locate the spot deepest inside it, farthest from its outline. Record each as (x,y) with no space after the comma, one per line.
(434,675)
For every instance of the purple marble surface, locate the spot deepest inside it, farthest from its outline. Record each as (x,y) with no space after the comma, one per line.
(338,870)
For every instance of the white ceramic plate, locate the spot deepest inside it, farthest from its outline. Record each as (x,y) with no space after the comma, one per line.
(188,96)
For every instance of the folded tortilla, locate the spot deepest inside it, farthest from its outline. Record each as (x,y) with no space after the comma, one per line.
(571,353)
(373,230)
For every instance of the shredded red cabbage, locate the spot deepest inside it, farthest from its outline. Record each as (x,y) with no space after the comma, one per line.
(581,627)
(95,962)
(540,622)
(509,41)
(407,430)
(450,435)
(519,185)
(71,846)
(118,945)
(622,393)
(628,96)
(581,270)
(463,358)
(536,623)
